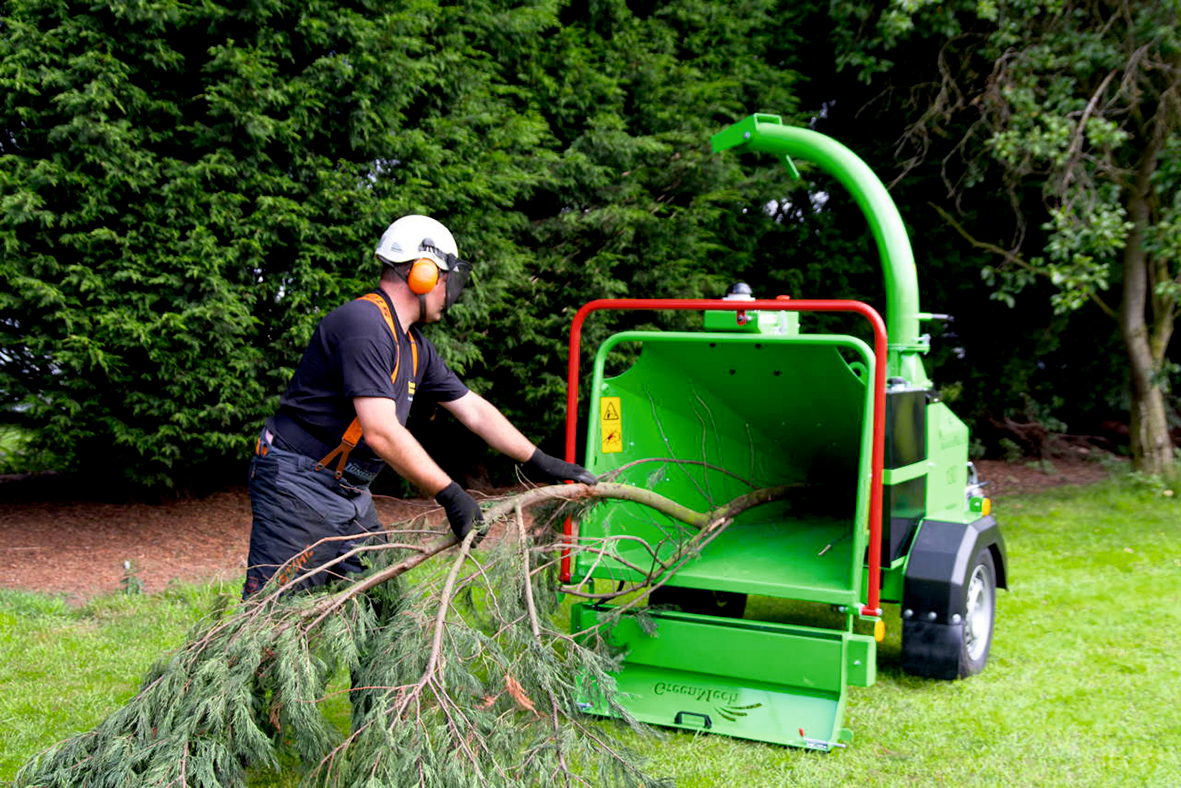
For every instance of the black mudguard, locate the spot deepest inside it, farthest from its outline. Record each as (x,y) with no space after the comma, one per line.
(933,591)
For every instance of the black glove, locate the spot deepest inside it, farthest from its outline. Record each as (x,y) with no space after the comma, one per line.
(542,467)
(463,513)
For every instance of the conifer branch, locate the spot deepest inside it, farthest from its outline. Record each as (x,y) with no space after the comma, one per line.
(568,492)
(534,624)
(445,690)
(440,619)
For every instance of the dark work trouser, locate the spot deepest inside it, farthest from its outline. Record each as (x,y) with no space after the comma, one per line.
(295,506)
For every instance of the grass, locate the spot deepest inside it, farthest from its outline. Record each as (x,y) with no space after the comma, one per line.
(1080,690)
(64,668)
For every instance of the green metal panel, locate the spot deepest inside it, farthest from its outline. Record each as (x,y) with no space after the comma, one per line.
(689,643)
(905,474)
(769,682)
(893,577)
(757,322)
(746,411)
(861,660)
(947,454)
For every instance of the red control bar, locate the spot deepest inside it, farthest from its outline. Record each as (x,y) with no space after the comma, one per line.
(873,602)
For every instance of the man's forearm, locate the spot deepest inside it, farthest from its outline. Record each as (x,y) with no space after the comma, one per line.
(397,446)
(484,419)
(409,459)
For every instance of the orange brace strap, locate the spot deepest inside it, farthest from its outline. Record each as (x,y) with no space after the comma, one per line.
(352,435)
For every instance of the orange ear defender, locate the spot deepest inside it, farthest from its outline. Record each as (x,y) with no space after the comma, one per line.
(423,276)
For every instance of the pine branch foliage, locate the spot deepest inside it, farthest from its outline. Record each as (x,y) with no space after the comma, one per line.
(466,676)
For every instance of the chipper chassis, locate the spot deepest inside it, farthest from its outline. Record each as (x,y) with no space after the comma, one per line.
(888,508)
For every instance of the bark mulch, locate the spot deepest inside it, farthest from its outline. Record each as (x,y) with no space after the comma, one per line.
(52,541)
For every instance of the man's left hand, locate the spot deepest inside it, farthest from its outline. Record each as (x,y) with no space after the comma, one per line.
(542,467)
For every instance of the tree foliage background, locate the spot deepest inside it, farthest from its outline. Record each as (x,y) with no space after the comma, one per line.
(1069,113)
(185,189)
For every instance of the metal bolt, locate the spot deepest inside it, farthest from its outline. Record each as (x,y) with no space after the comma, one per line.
(908,613)
(746,135)
(931,616)
(856,662)
(957,618)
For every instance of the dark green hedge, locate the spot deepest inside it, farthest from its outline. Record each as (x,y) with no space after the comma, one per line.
(186,188)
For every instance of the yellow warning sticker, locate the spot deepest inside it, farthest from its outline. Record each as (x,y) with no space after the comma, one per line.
(611,425)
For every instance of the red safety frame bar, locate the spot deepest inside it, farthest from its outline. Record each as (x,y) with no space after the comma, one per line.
(873,601)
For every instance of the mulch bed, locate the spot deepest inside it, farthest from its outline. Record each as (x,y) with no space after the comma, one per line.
(55,543)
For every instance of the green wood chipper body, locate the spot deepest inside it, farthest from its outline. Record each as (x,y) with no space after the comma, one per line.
(752,401)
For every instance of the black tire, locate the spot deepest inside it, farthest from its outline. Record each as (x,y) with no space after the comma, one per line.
(979,614)
(728,604)
(958,648)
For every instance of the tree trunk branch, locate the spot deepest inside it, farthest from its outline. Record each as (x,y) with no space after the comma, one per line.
(1014,258)
(1151,445)
(569,492)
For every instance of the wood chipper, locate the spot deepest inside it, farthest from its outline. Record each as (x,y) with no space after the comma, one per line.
(881,502)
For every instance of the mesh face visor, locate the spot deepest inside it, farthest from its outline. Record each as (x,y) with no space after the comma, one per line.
(456,279)
(457,271)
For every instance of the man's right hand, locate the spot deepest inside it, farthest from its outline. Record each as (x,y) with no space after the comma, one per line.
(551,469)
(463,513)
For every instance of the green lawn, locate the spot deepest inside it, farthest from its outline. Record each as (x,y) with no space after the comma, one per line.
(1081,688)
(62,668)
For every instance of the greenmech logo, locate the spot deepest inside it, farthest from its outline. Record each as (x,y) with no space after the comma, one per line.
(697,693)
(723,700)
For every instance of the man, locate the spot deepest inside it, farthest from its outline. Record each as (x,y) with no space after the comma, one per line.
(343,415)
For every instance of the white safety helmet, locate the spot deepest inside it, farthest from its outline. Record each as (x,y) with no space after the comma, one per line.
(418,237)
(414,237)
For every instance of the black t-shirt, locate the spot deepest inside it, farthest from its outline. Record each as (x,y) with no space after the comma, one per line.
(352,354)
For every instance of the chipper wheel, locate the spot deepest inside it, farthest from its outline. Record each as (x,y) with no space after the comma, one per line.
(960,647)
